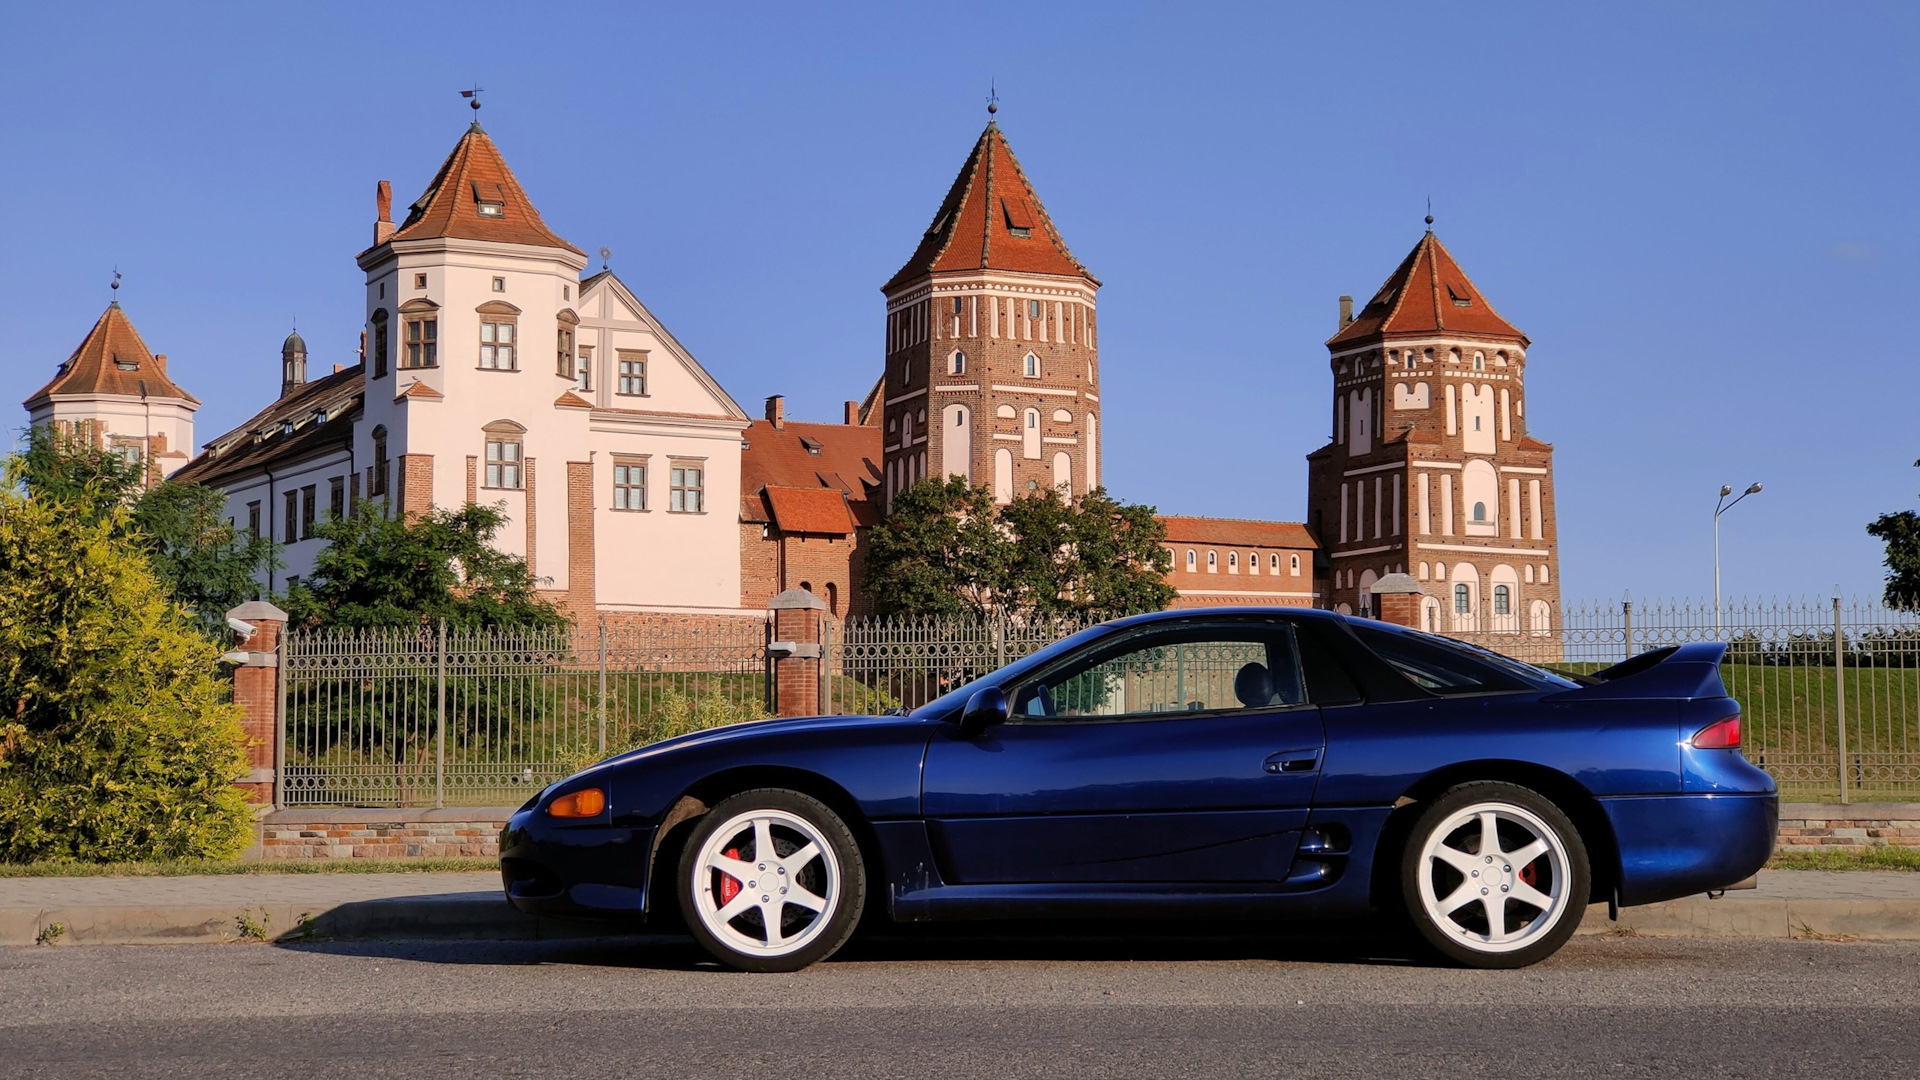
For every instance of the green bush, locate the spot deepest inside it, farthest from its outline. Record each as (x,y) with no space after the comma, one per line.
(676,714)
(115,741)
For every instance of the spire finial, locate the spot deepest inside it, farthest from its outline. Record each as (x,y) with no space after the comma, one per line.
(993,99)
(116,286)
(473,99)
(1429,213)
(606,255)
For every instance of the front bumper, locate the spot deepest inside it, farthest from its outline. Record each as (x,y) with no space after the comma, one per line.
(596,871)
(1678,845)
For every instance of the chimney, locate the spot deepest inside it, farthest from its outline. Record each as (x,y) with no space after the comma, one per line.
(777,412)
(160,361)
(853,414)
(1346,311)
(383,201)
(338,368)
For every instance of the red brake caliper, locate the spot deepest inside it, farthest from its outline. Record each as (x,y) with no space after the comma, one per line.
(1530,874)
(729,888)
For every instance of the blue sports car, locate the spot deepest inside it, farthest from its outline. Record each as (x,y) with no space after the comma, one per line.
(1245,763)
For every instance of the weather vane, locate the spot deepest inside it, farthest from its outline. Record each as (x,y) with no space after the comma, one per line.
(473,96)
(993,98)
(116,284)
(1429,213)
(605,254)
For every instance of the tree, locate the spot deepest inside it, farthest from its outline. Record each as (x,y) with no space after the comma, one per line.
(380,571)
(946,549)
(204,562)
(1900,531)
(115,741)
(938,552)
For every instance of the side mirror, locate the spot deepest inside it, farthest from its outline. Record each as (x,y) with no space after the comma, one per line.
(984,709)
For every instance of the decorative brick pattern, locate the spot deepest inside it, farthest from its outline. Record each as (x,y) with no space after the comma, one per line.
(580,595)
(381,834)
(416,484)
(1813,825)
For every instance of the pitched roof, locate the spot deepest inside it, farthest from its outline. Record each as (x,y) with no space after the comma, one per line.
(265,439)
(1237,532)
(1427,293)
(848,464)
(112,360)
(816,510)
(981,222)
(475,173)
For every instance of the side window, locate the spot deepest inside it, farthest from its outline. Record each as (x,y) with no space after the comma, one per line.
(1437,665)
(1327,681)
(1191,669)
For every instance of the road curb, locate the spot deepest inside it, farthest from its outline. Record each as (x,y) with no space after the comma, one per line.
(485,917)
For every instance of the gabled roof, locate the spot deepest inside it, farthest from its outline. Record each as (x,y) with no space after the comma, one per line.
(847,465)
(475,173)
(265,440)
(1237,532)
(1427,293)
(606,279)
(981,222)
(112,360)
(818,510)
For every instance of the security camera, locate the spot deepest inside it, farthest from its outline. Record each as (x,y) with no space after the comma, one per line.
(244,629)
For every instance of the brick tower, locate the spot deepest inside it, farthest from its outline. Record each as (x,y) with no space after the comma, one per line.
(991,367)
(1431,471)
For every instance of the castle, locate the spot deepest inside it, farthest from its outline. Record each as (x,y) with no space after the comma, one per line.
(635,485)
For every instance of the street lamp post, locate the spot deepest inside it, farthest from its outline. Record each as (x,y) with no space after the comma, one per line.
(1720,508)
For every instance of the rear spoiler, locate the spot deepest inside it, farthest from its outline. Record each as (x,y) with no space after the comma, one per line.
(1677,671)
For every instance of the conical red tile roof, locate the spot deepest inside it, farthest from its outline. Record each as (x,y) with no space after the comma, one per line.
(112,360)
(475,173)
(981,221)
(1427,293)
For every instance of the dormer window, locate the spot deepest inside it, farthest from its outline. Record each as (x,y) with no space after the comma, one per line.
(812,445)
(491,199)
(127,365)
(1461,298)
(286,428)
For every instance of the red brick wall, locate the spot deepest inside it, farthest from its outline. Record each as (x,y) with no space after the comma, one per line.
(416,484)
(580,540)
(256,689)
(380,834)
(776,562)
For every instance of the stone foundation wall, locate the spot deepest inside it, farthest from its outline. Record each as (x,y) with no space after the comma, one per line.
(1859,825)
(380,834)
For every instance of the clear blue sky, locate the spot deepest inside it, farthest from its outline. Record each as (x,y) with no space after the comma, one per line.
(1703,215)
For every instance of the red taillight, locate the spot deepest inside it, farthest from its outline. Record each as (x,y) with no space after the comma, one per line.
(1719,735)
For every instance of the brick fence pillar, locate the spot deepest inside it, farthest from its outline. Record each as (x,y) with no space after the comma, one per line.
(1396,599)
(256,689)
(797,615)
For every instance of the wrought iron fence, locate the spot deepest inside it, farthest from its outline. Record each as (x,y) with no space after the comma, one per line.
(903,661)
(449,717)
(1799,668)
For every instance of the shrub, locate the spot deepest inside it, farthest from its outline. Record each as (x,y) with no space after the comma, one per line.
(115,742)
(676,714)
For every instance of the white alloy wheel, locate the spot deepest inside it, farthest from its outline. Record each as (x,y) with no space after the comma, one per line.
(1495,875)
(766,883)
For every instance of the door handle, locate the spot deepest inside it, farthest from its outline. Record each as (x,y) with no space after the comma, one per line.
(1293,761)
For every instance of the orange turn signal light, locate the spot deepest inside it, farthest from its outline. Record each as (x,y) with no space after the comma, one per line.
(587,802)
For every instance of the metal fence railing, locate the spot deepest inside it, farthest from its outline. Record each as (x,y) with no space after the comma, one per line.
(1829,690)
(449,717)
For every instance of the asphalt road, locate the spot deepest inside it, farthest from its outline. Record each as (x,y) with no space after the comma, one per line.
(962,1005)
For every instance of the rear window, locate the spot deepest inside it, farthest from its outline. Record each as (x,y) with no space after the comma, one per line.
(1442,666)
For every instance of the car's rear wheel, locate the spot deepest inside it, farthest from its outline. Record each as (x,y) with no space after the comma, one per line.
(1495,876)
(771,880)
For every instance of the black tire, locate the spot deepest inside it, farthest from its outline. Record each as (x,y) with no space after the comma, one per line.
(1431,879)
(834,875)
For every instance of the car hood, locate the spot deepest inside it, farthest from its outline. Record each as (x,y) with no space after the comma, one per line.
(755,730)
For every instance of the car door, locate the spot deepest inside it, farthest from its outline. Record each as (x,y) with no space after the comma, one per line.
(1182,752)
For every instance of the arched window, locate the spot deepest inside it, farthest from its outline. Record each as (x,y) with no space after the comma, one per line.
(377,473)
(1191,561)
(1462,600)
(380,346)
(1213,561)
(1031,366)
(1033,418)
(504,454)
(1293,565)
(499,336)
(1479,361)
(1233,561)
(957,363)
(1479,508)
(1502,600)
(421,334)
(1033,309)
(1273,562)
(565,364)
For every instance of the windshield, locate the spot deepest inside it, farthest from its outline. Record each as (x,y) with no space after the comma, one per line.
(1446,666)
(953,700)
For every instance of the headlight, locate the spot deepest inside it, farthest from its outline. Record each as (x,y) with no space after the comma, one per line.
(587,802)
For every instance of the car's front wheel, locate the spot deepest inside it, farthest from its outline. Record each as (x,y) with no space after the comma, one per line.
(1495,876)
(771,880)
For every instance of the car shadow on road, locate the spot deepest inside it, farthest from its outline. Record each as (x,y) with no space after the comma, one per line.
(1358,943)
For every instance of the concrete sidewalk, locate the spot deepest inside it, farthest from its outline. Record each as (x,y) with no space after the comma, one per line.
(241,907)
